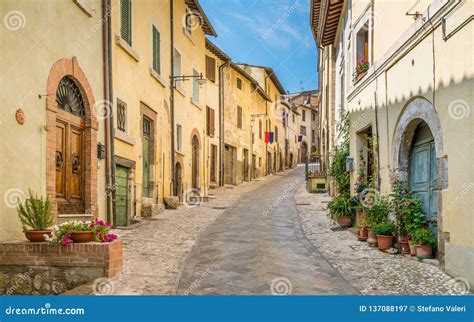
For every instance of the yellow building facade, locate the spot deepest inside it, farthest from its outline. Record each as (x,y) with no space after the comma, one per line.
(407,85)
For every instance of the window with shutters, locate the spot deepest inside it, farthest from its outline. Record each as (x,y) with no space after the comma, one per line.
(313,115)
(293,118)
(303,130)
(276,134)
(260,132)
(239,117)
(126,20)
(179,137)
(239,83)
(304,116)
(195,86)
(213,174)
(210,121)
(156,50)
(121,115)
(176,63)
(211,69)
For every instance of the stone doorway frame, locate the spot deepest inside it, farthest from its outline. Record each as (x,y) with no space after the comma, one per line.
(61,68)
(416,111)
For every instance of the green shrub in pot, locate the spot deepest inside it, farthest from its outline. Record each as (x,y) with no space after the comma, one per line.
(384,229)
(423,236)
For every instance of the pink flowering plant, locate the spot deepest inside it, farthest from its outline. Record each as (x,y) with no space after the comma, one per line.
(362,66)
(61,234)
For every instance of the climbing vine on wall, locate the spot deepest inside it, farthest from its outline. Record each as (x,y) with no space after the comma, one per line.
(337,169)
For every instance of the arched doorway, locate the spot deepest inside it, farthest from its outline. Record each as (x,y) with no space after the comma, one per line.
(71,148)
(418,158)
(195,162)
(178,179)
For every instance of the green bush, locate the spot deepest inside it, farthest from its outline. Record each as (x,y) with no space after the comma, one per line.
(423,236)
(341,206)
(384,229)
(376,211)
(35,212)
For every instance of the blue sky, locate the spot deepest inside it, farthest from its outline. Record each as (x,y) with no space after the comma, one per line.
(274,33)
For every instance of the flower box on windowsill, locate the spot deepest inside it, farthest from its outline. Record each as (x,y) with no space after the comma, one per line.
(359,76)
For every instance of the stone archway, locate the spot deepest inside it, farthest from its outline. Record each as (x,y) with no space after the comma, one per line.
(416,112)
(69,68)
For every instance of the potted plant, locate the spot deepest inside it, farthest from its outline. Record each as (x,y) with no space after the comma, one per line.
(341,209)
(376,208)
(424,239)
(81,232)
(363,232)
(35,214)
(384,232)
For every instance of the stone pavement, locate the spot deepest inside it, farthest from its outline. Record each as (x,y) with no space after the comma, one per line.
(258,247)
(366,268)
(155,250)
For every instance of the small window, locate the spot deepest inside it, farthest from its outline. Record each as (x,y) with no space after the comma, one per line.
(313,115)
(239,117)
(239,83)
(260,134)
(313,136)
(276,134)
(121,115)
(156,50)
(303,130)
(210,121)
(195,86)
(179,134)
(146,127)
(293,118)
(176,63)
(126,20)
(211,69)
(303,116)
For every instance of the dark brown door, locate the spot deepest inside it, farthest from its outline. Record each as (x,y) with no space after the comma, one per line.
(69,163)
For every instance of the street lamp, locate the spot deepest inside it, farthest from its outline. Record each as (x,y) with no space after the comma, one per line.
(199,79)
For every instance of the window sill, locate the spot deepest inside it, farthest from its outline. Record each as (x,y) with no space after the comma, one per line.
(158,77)
(195,103)
(180,153)
(122,136)
(127,48)
(190,37)
(180,90)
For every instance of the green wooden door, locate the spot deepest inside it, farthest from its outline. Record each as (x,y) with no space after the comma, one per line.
(146,157)
(424,180)
(121,195)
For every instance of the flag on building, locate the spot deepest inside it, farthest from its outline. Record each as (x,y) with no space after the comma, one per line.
(271,137)
(300,138)
(267,137)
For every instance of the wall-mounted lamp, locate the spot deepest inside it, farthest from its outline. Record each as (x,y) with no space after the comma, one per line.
(100,151)
(199,79)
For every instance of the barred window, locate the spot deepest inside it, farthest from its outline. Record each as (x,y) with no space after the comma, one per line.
(121,115)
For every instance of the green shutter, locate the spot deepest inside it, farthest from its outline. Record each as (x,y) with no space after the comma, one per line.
(156,50)
(126,20)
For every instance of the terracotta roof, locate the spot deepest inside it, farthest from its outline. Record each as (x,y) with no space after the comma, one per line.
(324,20)
(196,8)
(273,76)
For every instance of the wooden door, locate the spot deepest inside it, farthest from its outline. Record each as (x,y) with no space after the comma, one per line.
(213,174)
(246,165)
(424,180)
(69,163)
(195,162)
(121,195)
(146,145)
(254,166)
(228,165)
(178,179)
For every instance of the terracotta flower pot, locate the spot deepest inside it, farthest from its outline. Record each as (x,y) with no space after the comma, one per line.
(363,234)
(404,247)
(412,248)
(36,235)
(371,240)
(82,236)
(424,251)
(384,242)
(344,221)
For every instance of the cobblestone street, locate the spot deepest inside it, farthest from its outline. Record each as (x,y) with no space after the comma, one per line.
(265,237)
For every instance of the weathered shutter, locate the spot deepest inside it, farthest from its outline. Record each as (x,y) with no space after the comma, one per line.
(126,20)
(211,68)
(212,122)
(156,50)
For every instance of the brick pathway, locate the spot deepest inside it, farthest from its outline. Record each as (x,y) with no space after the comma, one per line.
(258,247)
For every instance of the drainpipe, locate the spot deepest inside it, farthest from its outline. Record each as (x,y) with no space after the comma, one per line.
(109,121)
(173,183)
(221,122)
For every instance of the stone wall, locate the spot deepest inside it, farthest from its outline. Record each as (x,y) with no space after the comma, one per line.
(42,268)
